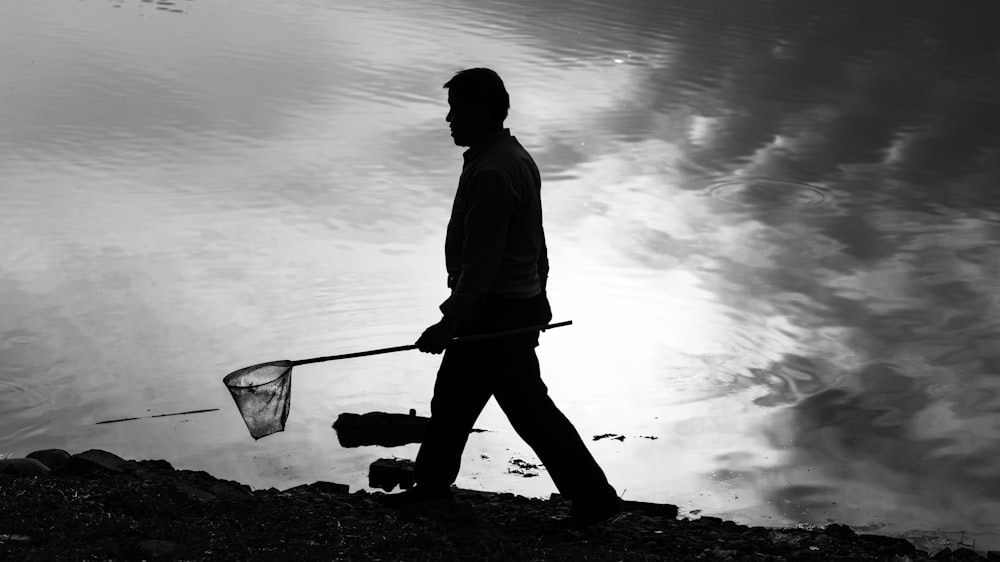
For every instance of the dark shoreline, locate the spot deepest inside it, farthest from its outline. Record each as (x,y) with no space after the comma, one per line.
(97,505)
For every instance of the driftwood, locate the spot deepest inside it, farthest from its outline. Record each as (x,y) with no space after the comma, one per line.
(381,428)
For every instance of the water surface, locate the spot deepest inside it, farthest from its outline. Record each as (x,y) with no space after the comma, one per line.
(775,225)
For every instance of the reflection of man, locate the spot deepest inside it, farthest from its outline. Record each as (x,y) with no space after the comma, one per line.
(497,269)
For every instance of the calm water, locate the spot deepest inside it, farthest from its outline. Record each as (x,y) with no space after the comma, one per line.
(776,225)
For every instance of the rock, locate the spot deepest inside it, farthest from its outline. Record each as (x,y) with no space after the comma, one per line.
(157,548)
(838,531)
(731,526)
(157,465)
(95,460)
(725,555)
(649,508)
(329,488)
(891,545)
(21,539)
(646,508)
(229,491)
(52,458)
(148,475)
(965,554)
(388,473)
(195,492)
(203,485)
(821,540)
(23,467)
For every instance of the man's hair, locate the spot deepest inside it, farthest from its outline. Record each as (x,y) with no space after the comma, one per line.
(483,87)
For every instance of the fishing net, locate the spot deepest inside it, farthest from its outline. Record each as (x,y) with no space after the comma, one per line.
(263,394)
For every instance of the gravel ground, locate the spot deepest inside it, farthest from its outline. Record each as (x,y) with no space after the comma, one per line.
(100,507)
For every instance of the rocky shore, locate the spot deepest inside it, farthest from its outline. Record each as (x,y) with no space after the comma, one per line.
(95,505)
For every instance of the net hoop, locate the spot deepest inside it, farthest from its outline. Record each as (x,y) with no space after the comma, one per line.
(234,380)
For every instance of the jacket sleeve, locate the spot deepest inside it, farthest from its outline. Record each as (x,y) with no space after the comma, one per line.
(490,208)
(543,265)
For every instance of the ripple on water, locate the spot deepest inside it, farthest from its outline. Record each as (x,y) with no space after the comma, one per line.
(753,192)
(22,407)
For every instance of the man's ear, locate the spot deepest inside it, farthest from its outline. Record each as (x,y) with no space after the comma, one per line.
(483,114)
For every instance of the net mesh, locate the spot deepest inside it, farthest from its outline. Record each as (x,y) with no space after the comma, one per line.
(263,394)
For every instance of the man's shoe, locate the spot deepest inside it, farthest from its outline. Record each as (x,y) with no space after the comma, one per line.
(588,512)
(416,494)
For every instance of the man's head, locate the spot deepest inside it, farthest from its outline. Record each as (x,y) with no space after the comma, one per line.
(477,105)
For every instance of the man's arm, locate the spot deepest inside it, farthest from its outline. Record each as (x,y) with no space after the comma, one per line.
(492,203)
(543,265)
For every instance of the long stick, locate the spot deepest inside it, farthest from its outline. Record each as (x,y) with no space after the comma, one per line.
(463,339)
(157,416)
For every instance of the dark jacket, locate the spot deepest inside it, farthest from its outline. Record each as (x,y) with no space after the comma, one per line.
(495,243)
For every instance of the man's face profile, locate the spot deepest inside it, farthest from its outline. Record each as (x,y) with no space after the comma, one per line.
(465,120)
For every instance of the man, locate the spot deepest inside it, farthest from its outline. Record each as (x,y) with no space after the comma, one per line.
(497,270)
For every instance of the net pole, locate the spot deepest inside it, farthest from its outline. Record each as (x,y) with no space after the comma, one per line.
(463,339)
(356,354)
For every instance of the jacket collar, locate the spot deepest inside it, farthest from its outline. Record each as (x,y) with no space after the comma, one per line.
(484,143)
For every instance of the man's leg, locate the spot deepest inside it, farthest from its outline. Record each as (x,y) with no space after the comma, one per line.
(459,398)
(522,395)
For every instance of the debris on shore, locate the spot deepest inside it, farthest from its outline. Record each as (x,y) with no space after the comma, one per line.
(382,429)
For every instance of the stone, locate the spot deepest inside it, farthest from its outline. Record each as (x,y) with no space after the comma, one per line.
(148,475)
(838,531)
(646,508)
(389,473)
(16,539)
(52,458)
(157,465)
(159,548)
(330,488)
(943,554)
(649,508)
(195,492)
(722,554)
(891,545)
(229,491)
(964,553)
(95,460)
(23,467)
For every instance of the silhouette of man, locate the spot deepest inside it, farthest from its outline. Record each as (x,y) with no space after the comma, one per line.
(497,266)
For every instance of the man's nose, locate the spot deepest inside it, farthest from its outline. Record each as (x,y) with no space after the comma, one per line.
(447,118)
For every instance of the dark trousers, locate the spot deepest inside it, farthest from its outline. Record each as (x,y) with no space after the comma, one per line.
(507,369)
